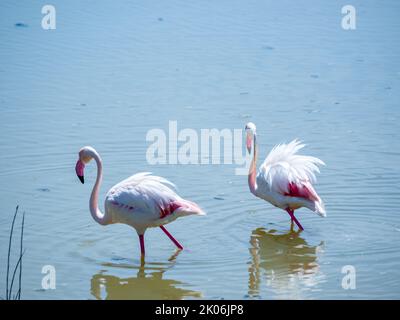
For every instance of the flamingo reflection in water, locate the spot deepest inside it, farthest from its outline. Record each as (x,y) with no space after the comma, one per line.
(285,262)
(149,283)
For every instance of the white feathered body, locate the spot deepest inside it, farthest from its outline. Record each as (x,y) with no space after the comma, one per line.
(144,201)
(285,179)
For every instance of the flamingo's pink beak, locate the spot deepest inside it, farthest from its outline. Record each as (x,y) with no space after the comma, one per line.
(248,142)
(79,169)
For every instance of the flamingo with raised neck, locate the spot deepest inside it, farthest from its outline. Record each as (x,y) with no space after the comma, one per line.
(285,179)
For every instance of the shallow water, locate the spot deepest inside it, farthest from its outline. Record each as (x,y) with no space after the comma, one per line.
(110,73)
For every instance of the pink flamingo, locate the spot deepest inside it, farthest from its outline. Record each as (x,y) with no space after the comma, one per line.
(141,201)
(285,179)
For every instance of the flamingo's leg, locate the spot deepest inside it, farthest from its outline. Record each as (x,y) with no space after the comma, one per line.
(141,239)
(291,225)
(291,214)
(171,237)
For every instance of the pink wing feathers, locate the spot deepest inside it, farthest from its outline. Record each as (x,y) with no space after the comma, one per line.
(302,189)
(152,195)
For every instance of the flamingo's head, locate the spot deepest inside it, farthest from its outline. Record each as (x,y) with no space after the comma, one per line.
(85,155)
(250,133)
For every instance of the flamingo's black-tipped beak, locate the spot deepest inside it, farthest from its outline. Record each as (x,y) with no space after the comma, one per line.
(80,169)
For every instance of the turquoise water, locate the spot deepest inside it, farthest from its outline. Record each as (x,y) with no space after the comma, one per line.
(111,72)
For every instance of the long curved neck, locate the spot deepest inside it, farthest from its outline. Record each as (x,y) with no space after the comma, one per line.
(253,169)
(97,215)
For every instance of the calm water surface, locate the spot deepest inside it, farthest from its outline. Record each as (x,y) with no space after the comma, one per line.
(110,72)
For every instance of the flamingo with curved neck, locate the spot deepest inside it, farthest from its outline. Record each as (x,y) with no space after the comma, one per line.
(141,201)
(285,179)
(251,139)
(98,216)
